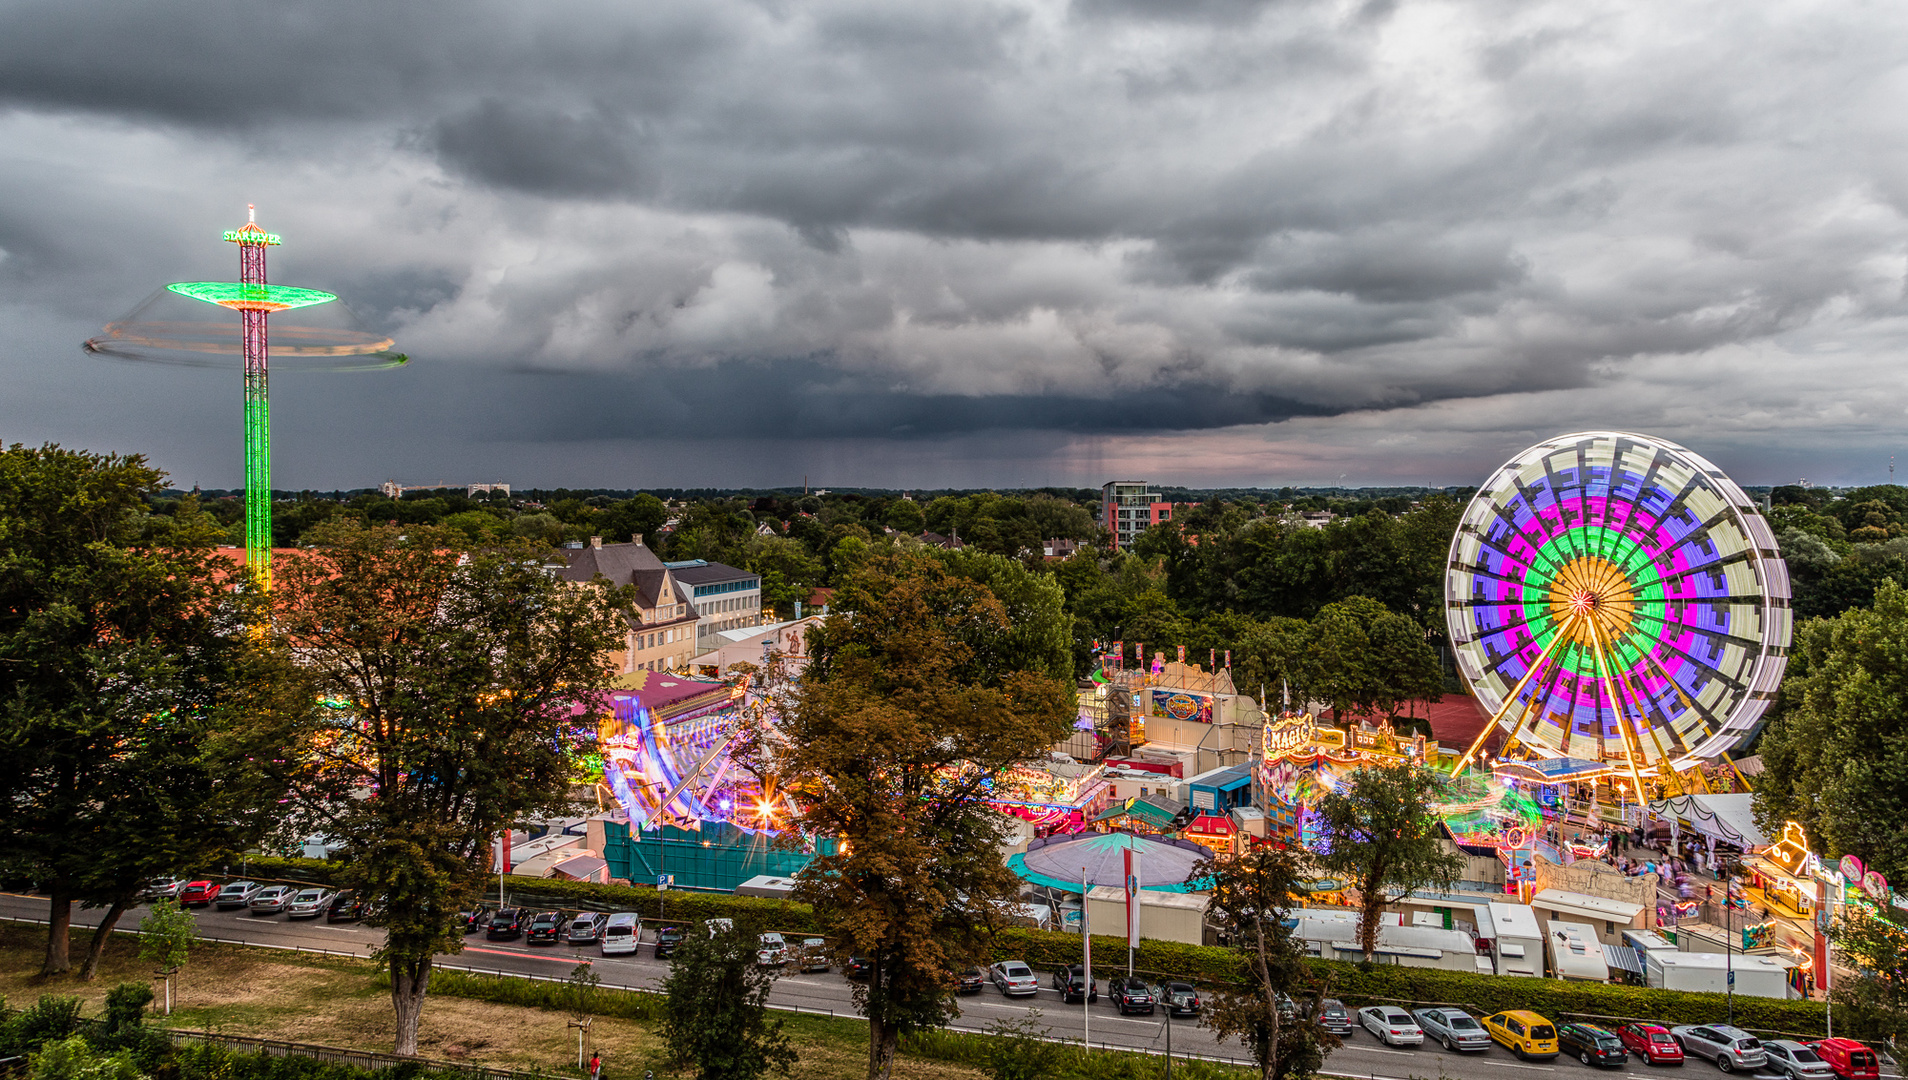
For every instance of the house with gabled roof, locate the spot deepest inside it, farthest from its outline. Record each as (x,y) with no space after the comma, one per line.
(662,622)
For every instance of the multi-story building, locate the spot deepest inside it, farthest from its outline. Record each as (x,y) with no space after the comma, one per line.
(662,624)
(1128,509)
(725,598)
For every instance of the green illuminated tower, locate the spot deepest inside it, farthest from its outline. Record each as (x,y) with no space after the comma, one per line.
(254,300)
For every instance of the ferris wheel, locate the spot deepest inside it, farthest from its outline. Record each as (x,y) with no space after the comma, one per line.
(1616,598)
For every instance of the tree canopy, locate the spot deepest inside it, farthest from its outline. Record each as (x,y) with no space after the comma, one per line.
(464,686)
(1378,831)
(917,694)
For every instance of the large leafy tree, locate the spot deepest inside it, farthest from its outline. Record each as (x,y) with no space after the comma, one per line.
(140,720)
(1379,832)
(1249,900)
(1367,657)
(464,684)
(1836,754)
(918,692)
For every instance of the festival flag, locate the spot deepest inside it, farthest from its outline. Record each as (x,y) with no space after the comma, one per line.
(1213,660)
(1228,659)
(1119,655)
(1182,654)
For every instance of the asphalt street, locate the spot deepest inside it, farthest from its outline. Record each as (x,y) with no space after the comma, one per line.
(831,994)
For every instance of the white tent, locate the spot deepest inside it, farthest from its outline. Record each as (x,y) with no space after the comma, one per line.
(1727,818)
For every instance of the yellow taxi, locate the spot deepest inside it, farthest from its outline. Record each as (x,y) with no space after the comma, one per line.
(1523,1032)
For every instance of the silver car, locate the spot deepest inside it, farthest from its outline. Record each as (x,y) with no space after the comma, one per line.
(308,904)
(1796,1061)
(236,894)
(271,900)
(1014,978)
(1455,1028)
(1392,1025)
(1731,1048)
(585,928)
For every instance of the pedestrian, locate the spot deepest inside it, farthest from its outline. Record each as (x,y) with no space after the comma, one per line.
(596,1066)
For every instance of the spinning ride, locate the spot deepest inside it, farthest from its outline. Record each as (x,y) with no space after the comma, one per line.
(169,329)
(1616,598)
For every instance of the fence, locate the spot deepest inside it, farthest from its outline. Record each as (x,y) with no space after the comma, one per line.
(363,1059)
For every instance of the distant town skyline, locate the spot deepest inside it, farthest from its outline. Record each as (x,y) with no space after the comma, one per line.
(1010,244)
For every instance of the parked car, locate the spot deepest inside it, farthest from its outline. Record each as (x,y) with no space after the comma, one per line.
(1014,978)
(162,888)
(1180,999)
(1796,1061)
(1523,1033)
(1131,995)
(771,950)
(307,903)
(812,955)
(271,900)
(477,918)
(1074,986)
(585,929)
(236,894)
(1849,1059)
(1731,1048)
(198,894)
(1653,1043)
(667,938)
(1392,1025)
(858,969)
(1455,1028)
(1591,1044)
(969,980)
(623,934)
(1334,1017)
(346,907)
(546,928)
(506,925)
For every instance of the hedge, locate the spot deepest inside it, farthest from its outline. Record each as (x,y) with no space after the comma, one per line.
(538,994)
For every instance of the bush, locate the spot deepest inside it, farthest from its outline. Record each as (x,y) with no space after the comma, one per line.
(784,915)
(309,871)
(47,1020)
(207,1061)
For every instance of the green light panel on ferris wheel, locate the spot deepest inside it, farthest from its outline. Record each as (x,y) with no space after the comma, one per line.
(237,295)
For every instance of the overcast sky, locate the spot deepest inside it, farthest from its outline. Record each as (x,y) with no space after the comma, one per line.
(943,243)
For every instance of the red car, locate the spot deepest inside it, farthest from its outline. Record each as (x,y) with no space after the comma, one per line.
(1850,1059)
(198,894)
(1651,1042)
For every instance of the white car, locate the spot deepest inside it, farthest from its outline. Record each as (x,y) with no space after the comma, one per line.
(1392,1025)
(270,900)
(308,903)
(1014,978)
(771,950)
(236,894)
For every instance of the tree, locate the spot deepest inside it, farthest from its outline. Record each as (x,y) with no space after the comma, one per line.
(1250,897)
(166,939)
(1836,751)
(460,679)
(1365,657)
(916,695)
(139,719)
(1039,638)
(1378,831)
(715,1009)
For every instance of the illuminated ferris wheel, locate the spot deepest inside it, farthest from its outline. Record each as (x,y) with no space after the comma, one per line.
(1617,598)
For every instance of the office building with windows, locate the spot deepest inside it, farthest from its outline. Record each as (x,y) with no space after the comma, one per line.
(1127,509)
(725,598)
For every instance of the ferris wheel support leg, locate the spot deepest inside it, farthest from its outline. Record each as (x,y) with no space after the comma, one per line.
(1556,639)
(1632,749)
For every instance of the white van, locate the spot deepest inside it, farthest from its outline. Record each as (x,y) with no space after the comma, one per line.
(621,933)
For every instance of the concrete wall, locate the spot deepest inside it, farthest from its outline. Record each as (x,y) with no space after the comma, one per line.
(1601,879)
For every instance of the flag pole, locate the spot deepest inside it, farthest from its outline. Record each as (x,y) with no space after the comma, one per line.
(1086,947)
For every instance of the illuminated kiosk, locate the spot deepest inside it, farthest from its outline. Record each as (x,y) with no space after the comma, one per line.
(1617,599)
(153,332)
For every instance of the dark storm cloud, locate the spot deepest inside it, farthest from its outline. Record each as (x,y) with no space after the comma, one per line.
(863,219)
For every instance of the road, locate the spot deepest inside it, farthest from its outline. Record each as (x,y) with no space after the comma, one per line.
(831,994)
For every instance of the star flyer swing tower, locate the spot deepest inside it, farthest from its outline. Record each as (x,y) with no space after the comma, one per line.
(254,299)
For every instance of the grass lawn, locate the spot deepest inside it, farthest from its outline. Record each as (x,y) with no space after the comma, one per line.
(332,1001)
